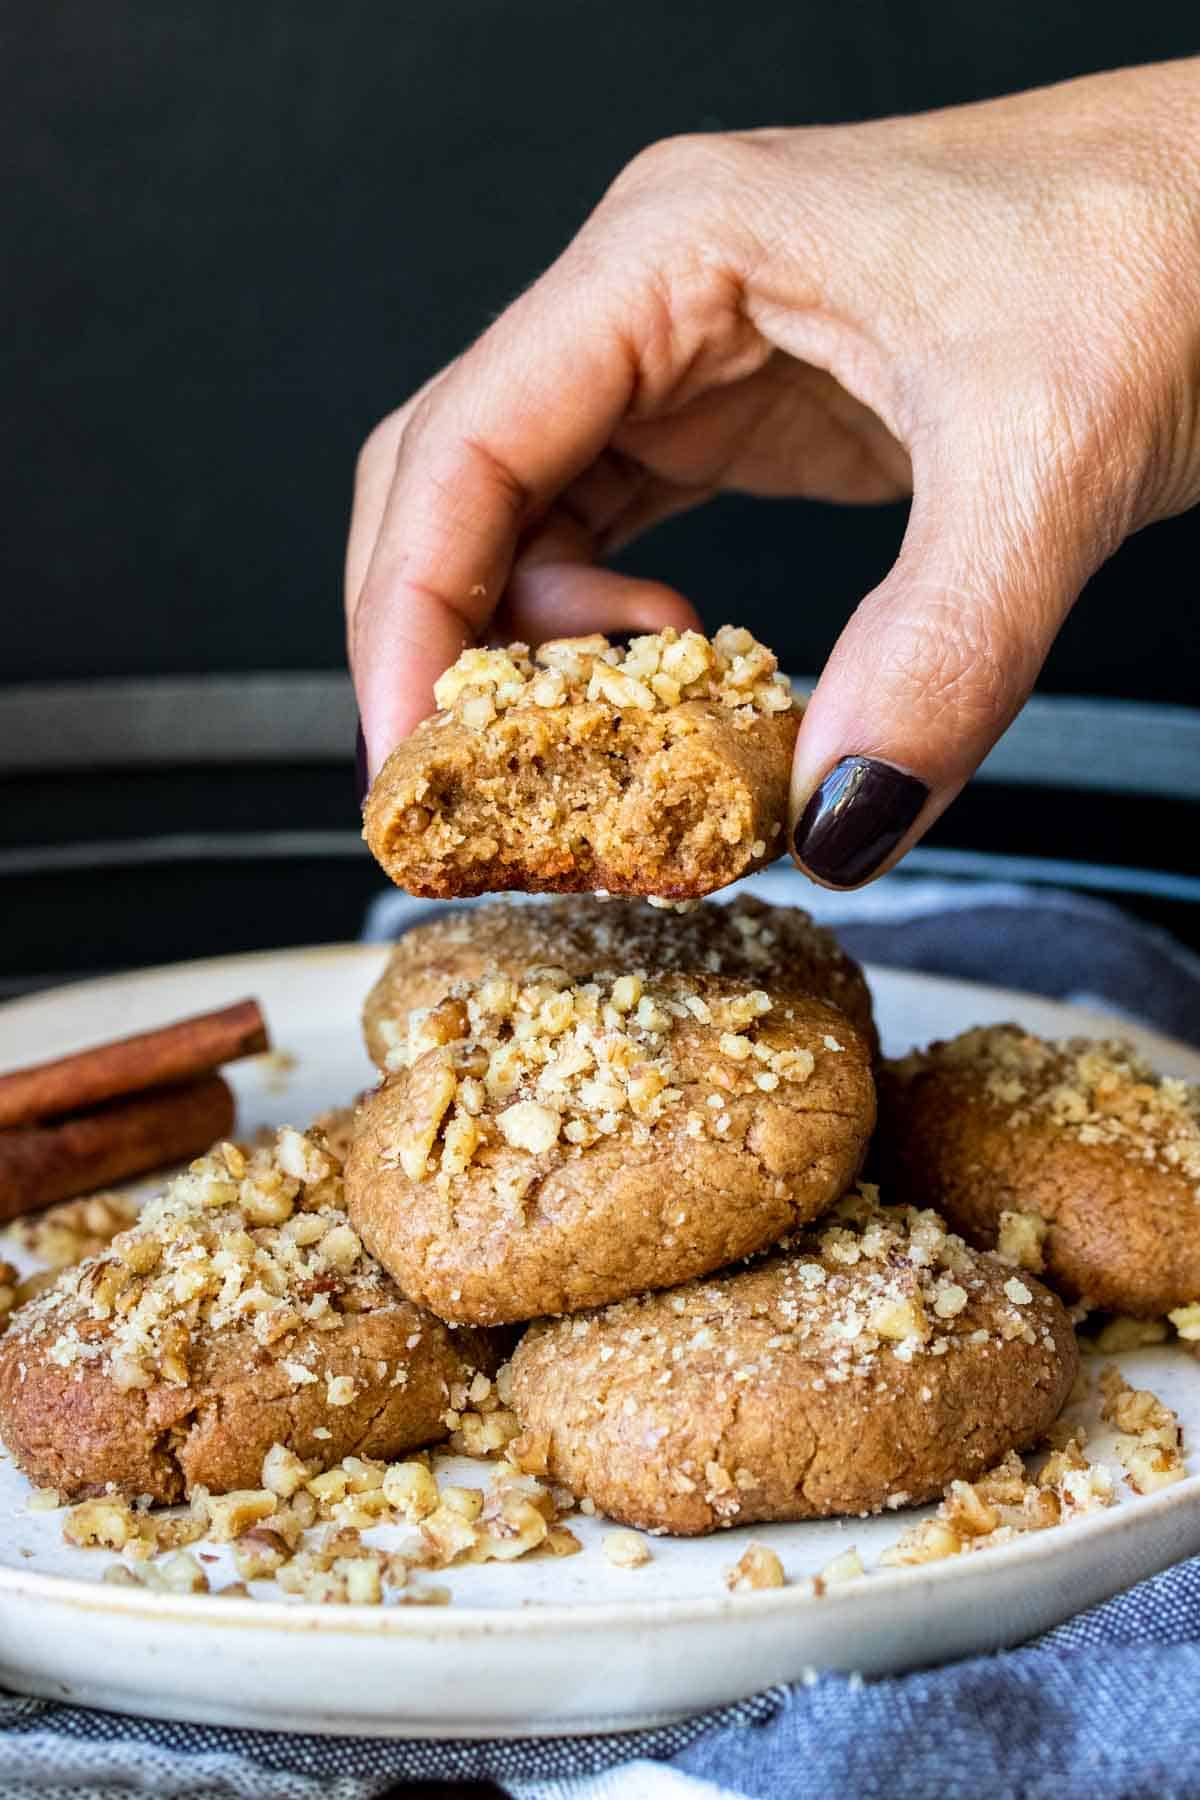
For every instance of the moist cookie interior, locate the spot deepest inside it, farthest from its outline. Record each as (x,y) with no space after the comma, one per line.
(583,767)
(591,808)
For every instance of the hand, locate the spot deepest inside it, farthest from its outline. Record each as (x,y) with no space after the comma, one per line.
(996,307)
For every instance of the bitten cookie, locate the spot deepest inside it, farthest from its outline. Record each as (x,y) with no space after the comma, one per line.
(240,1312)
(1072,1157)
(659,770)
(869,1363)
(554,1144)
(779,948)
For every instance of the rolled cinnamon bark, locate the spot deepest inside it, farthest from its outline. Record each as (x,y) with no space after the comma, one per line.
(151,1059)
(40,1164)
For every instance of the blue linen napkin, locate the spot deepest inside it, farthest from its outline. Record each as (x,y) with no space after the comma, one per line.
(1103,1707)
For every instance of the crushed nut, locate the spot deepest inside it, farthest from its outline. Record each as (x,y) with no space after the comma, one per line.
(655,672)
(1150,1447)
(232,1514)
(1100,1091)
(626,1550)
(1021,1241)
(757,1567)
(68,1233)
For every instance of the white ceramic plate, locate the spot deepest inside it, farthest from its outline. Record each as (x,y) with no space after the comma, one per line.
(542,1646)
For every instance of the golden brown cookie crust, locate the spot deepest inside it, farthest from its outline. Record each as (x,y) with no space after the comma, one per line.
(1079,1138)
(699,1121)
(867,1365)
(779,948)
(660,770)
(113,1380)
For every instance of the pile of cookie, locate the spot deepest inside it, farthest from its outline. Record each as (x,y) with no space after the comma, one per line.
(619,1148)
(638,1135)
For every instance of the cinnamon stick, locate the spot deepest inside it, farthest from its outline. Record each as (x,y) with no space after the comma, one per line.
(40,1164)
(173,1053)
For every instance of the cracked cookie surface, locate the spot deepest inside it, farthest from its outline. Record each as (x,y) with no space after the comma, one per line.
(554,1143)
(660,770)
(241,1311)
(872,1361)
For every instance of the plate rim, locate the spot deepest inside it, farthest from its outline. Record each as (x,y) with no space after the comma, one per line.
(432,1621)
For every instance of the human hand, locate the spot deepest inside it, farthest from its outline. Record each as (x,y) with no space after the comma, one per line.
(995,306)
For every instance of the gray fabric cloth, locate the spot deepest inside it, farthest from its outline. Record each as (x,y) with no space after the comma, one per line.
(1104,1706)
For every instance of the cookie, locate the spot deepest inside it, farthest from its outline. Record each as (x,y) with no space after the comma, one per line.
(867,1365)
(659,770)
(240,1312)
(1074,1158)
(779,948)
(555,1143)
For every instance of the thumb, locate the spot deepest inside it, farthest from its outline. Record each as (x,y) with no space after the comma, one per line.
(928,673)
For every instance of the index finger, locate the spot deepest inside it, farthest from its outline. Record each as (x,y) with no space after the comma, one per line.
(485,451)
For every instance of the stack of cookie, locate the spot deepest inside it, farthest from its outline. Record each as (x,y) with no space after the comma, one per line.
(636,1133)
(598,1118)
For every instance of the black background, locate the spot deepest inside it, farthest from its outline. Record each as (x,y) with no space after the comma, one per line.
(238,235)
(235,236)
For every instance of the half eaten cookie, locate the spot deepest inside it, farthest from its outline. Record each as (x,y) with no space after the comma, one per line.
(661,770)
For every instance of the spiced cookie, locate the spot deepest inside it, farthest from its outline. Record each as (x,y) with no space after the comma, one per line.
(555,1143)
(1073,1158)
(240,1312)
(869,1363)
(662,769)
(779,948)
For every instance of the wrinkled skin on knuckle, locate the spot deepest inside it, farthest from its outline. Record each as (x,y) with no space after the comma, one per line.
(672,170)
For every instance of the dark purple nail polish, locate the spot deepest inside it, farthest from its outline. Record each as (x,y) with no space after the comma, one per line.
(856,818)
(360,769)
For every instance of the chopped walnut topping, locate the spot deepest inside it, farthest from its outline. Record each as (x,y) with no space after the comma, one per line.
(66,1234)
(654,673)
(283,1472)
(1101,1091)
(626,1550)
(250,1236)
(109,1524)
(1005,1503)
(863,1288)
(260,1552)
(757,1567)
(846,1567)
(514,1516)
(486,1424)
(176,1573)
(1150,1448)
(1020,1241)
(231,1515)
(1186,1320)
(548,1063)
(100,1525)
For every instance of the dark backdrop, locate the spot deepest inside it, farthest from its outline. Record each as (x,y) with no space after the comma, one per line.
(237,235)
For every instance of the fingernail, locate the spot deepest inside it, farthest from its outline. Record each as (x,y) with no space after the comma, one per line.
(856,818)
(360,769)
